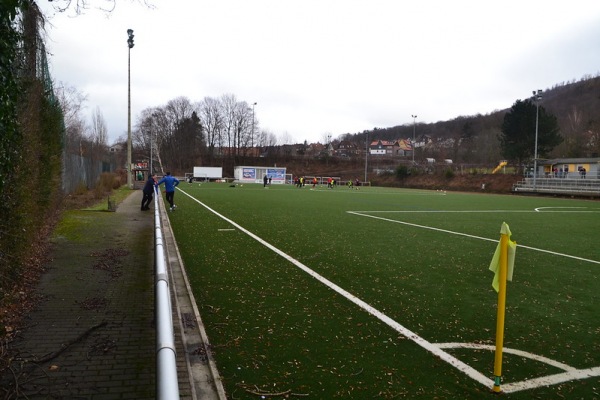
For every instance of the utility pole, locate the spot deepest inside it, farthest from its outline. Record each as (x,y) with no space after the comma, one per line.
(414,142)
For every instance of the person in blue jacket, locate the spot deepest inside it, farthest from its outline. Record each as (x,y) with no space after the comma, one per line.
(170,183)
(148,191)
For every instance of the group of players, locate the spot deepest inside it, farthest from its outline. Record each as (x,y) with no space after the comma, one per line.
(171,182)
(301,181)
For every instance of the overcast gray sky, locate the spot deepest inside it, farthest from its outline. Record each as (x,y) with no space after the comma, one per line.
(319,67)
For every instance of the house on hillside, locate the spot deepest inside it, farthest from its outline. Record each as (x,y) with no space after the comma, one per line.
(315,149)
(329,149)
(396,148)
(382,148)
(117,148)
(405,148)
(423,141)
(346,148)
(288,150)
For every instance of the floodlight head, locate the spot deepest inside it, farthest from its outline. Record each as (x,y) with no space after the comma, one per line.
(130,40)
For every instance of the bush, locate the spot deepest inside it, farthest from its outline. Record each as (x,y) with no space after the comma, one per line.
(449,174)
(81,189)
(402,172)
(107,182)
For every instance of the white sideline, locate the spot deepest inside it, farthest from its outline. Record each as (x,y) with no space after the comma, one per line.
(436,349)
(362,214)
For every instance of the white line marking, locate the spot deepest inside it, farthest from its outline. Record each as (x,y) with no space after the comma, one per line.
(521,353)
(551,379)
(361,214)
(552,208)
(225,230)
(570,373)
(433,348)
(441,211)
(539,209)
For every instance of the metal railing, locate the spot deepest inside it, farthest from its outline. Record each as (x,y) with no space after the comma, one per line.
(167,385)
(576,186)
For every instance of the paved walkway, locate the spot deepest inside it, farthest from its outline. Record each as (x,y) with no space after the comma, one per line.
(93,335)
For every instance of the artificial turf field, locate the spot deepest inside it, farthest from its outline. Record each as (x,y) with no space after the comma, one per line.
(386,293)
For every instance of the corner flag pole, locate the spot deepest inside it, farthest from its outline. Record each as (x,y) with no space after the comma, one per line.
(501,309)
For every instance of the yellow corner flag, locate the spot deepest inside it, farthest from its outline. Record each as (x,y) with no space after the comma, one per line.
(495,264)
(502,265)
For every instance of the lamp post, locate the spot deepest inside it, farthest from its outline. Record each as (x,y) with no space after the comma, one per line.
(414,117)
(252,136)
(129,45)
(537,96)
(366,154)
(151,146)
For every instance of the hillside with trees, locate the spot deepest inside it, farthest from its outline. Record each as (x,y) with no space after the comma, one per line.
(223,132)
(476,139)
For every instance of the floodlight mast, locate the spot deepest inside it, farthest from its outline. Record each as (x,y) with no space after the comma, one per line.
(129,45)
(366,154)
(537,96)
(414,117)
(252,135)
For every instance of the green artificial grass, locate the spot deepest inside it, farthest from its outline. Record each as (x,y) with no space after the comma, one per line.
(275,329)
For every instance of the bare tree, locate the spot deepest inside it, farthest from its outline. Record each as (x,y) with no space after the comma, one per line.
(243,126)
(271,139)
(143,134)
(285,138)
(72,103)
(237,125)
(212,122)
(151,130)
(228,111)
(176,112)
(159,131)
(79,7)
(179,109)
(266,138)
(99,132)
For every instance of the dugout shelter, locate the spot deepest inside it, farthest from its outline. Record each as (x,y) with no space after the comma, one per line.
(246,174)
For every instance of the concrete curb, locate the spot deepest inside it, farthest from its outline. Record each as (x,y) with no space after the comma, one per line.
(202,374)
